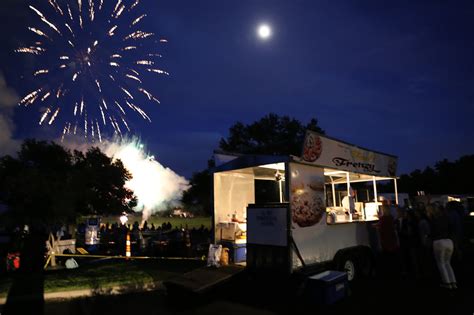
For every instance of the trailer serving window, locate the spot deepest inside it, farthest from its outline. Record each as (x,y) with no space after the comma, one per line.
(235,189)
(339,184)
(345,165)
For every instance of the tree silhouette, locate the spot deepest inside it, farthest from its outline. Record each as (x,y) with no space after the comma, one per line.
(272,134)
(445,178)
(47,184)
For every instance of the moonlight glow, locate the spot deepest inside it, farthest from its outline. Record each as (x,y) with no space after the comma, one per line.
(264,31)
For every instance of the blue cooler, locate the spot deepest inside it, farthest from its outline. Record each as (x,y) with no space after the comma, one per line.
(327,287)
(240,253)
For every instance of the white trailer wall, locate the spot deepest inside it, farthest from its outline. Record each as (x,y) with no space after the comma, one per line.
(233,191)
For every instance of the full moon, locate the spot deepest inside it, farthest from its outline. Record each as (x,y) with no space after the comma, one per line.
(264,31)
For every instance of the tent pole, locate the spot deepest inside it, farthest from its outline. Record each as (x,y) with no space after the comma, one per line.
(375,188)
(396,190)
(348,184)
(333,193)
(349,194)
(281,191)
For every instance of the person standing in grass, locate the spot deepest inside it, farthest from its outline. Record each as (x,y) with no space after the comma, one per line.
(443,247)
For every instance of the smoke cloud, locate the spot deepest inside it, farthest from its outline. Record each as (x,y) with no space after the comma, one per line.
(8,102)
(156,187)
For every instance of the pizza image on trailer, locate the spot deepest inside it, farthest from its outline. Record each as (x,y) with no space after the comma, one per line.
(312,148)
(307,207)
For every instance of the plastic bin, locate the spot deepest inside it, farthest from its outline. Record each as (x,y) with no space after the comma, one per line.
(327,287)
(237,252)
(240,253)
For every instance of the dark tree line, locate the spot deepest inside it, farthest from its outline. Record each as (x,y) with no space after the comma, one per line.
(46,184)
(444,178)
(271,135)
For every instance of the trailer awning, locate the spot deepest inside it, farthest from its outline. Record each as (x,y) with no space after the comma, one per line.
(340,177)
(246,161)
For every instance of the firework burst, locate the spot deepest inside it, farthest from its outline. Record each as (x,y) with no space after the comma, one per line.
(92,62)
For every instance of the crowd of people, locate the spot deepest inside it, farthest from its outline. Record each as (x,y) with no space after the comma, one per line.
(148,239)
(422,242)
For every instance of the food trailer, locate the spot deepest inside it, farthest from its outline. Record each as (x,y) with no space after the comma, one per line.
(285,213)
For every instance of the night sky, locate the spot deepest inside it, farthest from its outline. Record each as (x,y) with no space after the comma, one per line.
(393,76)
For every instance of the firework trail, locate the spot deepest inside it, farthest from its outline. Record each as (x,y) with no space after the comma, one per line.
(93,61)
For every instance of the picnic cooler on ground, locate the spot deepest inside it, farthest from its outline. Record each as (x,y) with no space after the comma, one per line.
(327,287)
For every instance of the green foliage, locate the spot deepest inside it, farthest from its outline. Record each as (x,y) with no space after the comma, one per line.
(198,197)
(48,183)
(100,183)
(271,135)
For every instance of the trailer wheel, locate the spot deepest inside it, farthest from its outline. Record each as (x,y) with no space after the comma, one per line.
(350,269)
(349,264)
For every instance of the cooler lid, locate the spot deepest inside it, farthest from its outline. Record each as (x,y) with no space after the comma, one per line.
(328,276)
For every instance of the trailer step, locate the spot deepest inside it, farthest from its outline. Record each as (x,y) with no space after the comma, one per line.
(203,279)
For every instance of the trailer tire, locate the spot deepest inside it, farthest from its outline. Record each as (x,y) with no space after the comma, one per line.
(350,264)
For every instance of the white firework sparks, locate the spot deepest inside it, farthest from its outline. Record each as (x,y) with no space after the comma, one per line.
(42,71)
(54,116)
(80,63)
(145,62)
(38,32)
(111,31)
(138,35)
(138,19)
(45,96)
(30,98)
(34,50)
(133,77)
(46,113)
(158,71)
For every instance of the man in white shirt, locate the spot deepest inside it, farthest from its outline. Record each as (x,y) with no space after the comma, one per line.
(348,202)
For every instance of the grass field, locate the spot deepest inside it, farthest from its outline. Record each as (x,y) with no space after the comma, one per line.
(113,273)
(105,274)
(157,221)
